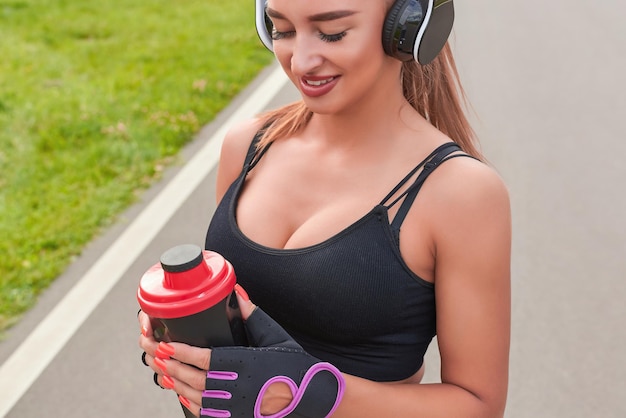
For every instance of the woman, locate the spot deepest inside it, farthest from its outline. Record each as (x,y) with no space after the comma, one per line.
(335,233)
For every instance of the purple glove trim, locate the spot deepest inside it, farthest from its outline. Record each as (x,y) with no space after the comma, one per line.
(217,394)
(293,387)
(298,392)
(214,413)
(222,375)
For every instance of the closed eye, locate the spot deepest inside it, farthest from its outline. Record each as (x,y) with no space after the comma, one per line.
(333,37)
(276,35)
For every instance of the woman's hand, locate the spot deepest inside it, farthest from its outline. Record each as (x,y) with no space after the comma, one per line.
(183,368)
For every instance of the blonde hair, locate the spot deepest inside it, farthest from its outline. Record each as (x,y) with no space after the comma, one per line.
(434,90)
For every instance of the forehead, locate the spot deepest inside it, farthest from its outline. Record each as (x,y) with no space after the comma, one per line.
(304,8)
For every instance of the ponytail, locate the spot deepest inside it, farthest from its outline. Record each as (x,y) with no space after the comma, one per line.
(433,90)
(283,122)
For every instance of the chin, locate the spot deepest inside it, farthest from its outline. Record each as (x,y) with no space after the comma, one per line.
(323,106)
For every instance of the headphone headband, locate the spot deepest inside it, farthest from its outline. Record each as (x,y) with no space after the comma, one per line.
(413,29)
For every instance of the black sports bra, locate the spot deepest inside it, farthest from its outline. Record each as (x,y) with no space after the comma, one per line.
(350,300)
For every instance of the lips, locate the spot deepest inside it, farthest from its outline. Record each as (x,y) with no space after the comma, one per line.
(316,86)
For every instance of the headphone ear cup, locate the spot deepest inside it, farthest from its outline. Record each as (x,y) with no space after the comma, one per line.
(437,32)
(264,24)
(417,29)
(390,26)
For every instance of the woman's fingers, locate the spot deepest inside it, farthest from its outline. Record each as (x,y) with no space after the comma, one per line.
(149,345)
(158,375)
(151,327)
(246,306)
(192,406)
(181,367)
(185,380)
(187,356)
(189,375)
(145,324)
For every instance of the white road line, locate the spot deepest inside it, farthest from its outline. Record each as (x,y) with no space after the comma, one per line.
(29,360)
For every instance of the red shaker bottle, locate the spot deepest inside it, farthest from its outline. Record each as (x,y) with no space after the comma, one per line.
(191,292)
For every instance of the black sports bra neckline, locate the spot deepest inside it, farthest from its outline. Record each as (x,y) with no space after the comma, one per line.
(436,157)
(378,210)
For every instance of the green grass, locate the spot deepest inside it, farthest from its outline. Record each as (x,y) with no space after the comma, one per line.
(96,97)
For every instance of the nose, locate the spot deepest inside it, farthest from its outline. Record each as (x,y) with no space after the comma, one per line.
(306,56)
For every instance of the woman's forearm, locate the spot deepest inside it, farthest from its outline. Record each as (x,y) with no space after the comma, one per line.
(365,398)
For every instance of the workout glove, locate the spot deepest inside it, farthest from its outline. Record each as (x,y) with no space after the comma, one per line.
(238,377)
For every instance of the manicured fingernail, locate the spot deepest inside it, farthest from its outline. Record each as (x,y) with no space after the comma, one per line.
(161,354)
(160,364)
(166,348)
(184,401)
(241,292)
(144,331)
(167,382)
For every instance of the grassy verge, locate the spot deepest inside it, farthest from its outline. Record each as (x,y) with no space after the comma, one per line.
(96,97)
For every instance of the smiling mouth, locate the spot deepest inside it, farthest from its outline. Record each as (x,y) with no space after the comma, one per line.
(319,82)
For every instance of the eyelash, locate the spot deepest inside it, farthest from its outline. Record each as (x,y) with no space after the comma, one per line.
(335,37)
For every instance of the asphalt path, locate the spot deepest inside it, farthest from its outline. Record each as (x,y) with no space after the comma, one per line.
(546,82)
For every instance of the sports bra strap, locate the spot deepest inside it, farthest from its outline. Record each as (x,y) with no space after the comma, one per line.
(411,174)
(435,159)
(429,164)
(253,156)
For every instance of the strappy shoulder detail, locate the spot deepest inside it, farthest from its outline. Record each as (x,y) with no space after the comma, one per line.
(428,165)
(412,173)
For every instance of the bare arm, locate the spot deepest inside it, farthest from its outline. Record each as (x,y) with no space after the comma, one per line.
(471,232)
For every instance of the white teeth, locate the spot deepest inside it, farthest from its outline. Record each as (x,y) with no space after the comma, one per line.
(319,82)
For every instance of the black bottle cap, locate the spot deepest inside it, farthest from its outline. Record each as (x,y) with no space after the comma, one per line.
(181,258)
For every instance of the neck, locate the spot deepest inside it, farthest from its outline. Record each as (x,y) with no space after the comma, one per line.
(376,119)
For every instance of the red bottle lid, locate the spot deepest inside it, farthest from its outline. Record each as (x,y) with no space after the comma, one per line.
(185,282)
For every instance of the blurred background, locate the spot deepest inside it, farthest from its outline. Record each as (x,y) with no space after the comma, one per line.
(546,81)
(102,104)
(96,99)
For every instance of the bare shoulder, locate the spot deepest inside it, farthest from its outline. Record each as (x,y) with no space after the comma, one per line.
(237,141)
(467,197)
(233,154)
(464,185)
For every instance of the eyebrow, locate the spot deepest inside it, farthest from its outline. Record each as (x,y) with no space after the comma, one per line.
(320,17)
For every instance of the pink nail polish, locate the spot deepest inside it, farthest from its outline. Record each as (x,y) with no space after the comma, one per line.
(166,348)
(241,292)
(160,364)
(167,382)
(184,401)
(161,354)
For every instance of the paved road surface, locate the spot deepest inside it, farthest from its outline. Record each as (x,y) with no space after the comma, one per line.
(545,79)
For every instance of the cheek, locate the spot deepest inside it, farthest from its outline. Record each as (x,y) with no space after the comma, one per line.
(367,54)
(283,56)
(367,45)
